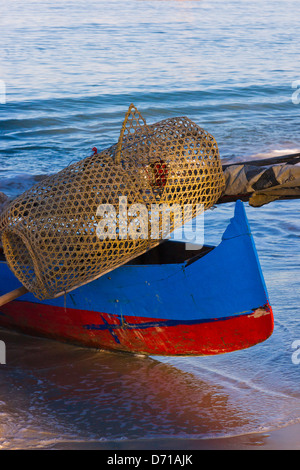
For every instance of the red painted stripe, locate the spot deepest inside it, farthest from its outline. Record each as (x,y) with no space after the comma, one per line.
(115,333)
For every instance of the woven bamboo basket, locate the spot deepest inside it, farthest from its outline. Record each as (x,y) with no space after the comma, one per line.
(51,234)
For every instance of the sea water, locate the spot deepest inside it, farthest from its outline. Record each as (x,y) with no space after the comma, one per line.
(68,72)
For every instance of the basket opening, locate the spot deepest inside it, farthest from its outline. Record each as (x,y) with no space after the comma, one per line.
(18,255)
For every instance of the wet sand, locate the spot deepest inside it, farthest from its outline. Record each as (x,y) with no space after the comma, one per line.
(287,438)
(59,397)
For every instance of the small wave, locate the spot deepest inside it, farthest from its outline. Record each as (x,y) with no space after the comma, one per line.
(17,184)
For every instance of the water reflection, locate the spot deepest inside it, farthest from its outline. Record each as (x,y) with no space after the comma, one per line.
(55,392)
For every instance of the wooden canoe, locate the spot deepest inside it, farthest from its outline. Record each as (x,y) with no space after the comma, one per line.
(169,301)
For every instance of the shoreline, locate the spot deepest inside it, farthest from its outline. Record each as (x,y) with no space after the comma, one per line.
(286,438)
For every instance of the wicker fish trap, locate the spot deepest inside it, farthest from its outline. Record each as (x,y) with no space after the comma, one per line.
(95,214)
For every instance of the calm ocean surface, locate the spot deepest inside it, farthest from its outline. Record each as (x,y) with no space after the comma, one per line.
(70,70)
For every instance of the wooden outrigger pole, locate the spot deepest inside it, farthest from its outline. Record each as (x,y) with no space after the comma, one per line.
(291,159)
(14,294)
